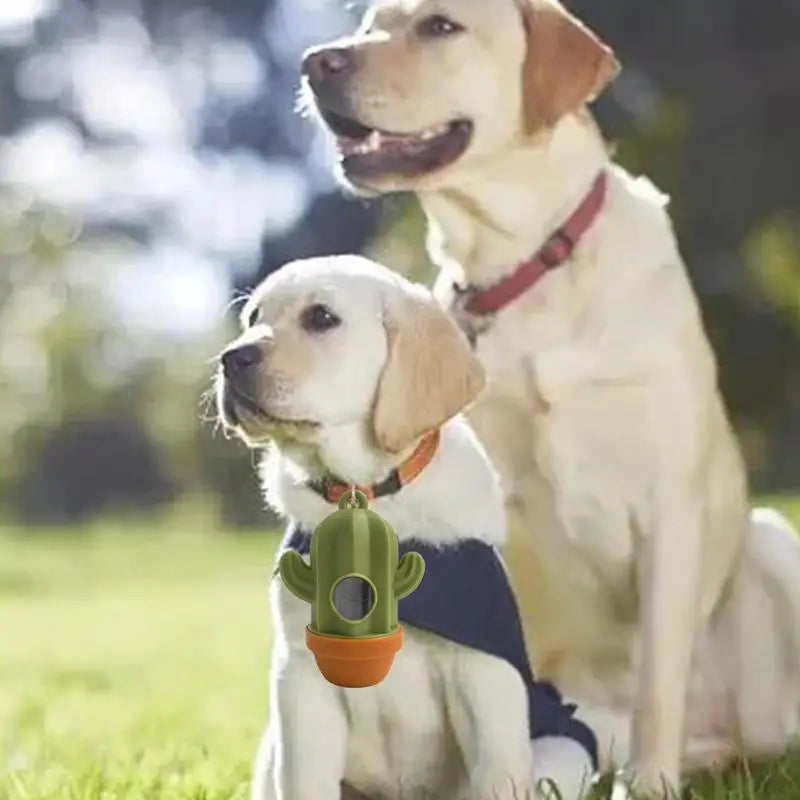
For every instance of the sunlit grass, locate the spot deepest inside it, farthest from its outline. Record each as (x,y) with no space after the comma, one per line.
(133,666)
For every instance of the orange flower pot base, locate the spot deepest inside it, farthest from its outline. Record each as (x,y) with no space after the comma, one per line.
(354,663)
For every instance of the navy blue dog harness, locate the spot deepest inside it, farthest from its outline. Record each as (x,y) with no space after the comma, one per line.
(466,597)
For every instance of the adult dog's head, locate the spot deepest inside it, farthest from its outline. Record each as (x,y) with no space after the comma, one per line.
(426,87)
(341,341)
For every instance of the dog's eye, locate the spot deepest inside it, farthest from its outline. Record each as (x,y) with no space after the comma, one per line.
(438,26)
(318,319)
(254,317)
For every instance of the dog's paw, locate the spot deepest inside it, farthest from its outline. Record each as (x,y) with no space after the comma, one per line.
(645,782)
(621,790)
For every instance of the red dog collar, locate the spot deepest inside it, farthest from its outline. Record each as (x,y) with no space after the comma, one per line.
(555,251)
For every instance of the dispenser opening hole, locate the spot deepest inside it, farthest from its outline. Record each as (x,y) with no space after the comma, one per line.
(353,597)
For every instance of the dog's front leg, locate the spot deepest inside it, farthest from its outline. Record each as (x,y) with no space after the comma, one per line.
(489,712)
(263,785)
(308,736)
(669,575)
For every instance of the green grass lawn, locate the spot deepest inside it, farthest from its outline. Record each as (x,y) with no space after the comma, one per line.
(133,666)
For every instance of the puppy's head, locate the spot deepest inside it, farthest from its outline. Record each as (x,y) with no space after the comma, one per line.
(335,341)
(426,87)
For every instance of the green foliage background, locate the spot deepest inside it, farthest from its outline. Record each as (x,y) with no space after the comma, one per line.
(98,414)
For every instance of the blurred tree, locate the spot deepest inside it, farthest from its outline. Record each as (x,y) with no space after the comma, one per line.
(87,467)
(133,128)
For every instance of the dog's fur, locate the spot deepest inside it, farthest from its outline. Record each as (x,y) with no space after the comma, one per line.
(448,722)
(650,592)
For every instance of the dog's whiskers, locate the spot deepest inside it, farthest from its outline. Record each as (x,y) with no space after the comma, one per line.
(240,297)
(209,413)
(304,103)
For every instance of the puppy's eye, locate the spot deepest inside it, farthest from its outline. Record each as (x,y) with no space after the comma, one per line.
(318,319)
(438,26)
(254,317)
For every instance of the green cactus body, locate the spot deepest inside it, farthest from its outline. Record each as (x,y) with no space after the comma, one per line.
(354,580)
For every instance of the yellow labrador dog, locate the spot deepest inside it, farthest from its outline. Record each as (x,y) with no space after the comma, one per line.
(357,377)
(650,592)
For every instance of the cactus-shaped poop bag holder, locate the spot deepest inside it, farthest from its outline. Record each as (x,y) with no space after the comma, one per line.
(353,583)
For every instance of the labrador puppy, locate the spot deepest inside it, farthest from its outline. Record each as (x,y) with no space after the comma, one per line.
(355,377)
(650,593)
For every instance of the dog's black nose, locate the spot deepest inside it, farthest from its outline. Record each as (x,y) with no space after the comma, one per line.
(323,64)
(238,359)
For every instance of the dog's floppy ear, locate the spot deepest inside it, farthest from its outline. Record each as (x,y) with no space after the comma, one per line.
(430,374)
(566,64)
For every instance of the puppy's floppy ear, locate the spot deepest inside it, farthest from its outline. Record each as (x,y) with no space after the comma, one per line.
(430,374)
(566,64)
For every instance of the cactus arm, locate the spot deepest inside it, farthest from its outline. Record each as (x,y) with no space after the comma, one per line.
(409,574)
(297,575)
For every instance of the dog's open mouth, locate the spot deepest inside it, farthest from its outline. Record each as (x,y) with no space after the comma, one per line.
(369,152)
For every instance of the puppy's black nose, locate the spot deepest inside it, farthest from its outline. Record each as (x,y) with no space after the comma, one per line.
(325,64)
(238,359)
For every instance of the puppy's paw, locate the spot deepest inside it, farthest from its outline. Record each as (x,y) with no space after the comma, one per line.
(562,768)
